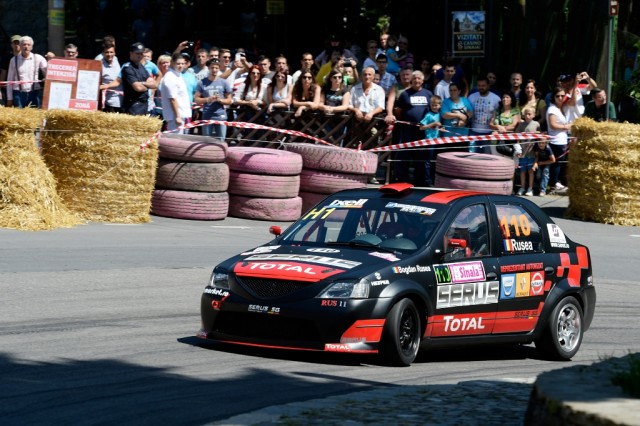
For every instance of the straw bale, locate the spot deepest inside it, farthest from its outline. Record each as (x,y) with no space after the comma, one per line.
(102,173)
(28,196)
(604,172)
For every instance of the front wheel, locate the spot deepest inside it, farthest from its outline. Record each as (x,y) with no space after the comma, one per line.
(401,334)
(562,336)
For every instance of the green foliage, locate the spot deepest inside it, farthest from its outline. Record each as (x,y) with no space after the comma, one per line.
(384,23)
(629,380)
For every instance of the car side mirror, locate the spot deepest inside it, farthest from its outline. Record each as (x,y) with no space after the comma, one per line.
(275,230)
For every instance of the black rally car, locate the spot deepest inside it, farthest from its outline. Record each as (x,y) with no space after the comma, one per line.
(392,269)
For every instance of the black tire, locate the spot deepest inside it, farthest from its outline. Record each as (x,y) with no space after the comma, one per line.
(562,336)
(401,334)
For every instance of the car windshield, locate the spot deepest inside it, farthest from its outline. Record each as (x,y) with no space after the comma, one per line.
(380,223)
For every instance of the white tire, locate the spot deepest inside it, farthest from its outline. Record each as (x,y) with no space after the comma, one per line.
(332,158)
(324,182)
(191,148)
(206,177)
(266,161)
(190,205)
(264,186)
(281,210)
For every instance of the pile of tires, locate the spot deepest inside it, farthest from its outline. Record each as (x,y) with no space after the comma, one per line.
(328,169)
(474,171)
(264,183)
(192,178)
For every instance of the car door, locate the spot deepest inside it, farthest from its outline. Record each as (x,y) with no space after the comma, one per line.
(467,280)
(522,268)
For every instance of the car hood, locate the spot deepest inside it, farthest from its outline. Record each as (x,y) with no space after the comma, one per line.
(310,264)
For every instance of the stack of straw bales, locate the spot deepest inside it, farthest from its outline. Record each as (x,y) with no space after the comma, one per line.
(102,173)
(28,196)
(604,172)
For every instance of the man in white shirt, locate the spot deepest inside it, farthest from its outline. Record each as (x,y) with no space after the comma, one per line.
(26,68)
(442,88)
(367,98)
(176,106)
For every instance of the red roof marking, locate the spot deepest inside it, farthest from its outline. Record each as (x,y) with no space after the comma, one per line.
(395,187)
(445,197)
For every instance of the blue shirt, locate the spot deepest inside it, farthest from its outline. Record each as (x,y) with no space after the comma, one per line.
(219,87)
(431,117)
(451,124)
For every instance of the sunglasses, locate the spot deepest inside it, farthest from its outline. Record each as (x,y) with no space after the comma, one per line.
(559,96)
(255,73)
(226,57)
(337,77)
(307,77)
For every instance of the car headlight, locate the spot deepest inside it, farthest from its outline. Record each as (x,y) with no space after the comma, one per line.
(347,290)
(219,279)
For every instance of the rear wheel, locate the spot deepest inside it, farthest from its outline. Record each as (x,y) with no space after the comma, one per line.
(562,337)
(401,334)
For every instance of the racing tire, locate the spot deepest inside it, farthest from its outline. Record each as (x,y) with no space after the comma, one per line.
(335,159)
(477,166)
(326,182)
(562,336)
(310,199)
(190,205)
(206,177)
(503,187)
(401,334)
(265,186)
(276,209)
(191,148)
(266,161)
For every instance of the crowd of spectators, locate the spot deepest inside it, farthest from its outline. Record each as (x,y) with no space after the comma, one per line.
(420,99)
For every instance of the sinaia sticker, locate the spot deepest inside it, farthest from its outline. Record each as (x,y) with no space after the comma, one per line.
(556,236)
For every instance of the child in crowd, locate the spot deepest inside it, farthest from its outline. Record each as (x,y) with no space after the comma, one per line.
(525,154)
(543,159)
(431,124)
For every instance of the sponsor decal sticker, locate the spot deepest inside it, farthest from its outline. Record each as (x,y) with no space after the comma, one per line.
(556,236)
(264,309)
(410,269)
(285,270)
(323,250)
(515,245)
(521,267)
(258,250)
(427,211)
(537,283)
(508,287)
(466,272)
(467,294)
(322,260)
(386,256)
(333,303)
(337,347)
(380,282)
(216,292)
(351,204)
(453,324)
(443,275)
(523,284)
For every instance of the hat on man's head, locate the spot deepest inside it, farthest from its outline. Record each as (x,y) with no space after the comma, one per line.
(15,37)
(137,48)
(565,77)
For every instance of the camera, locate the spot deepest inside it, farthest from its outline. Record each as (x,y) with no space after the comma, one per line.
(190,45)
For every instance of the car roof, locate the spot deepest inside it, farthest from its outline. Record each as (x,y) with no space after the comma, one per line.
(407,193)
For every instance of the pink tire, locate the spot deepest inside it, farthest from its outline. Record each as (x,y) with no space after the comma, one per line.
(504,187)
(190,205)
(335,159)
(206,177)
(324,182)
(266,161)
(281,210)
(310,199)
(192,148)
(263,186)
(475,166)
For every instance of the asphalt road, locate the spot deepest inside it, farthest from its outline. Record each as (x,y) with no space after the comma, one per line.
(97,326)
